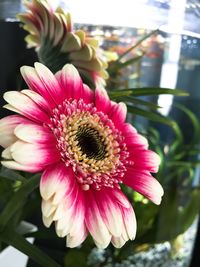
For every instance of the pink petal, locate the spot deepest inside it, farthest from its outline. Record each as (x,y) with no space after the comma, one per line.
(57,181)
(72,220)
(26,106)
(34,154)
(77,231)
(119,197)
(33,81)
(21,167)
(144,159)
(7,126)
(79,216)
(61,199)
(64,218)
(34,133)
(129,222)
(128,129)
(94,221)
(70,82)
(117,114)
(132,138)
(66,212)
(102,101)
(39,100)
(87,94)
(110,211)
(144,183)
(50,82)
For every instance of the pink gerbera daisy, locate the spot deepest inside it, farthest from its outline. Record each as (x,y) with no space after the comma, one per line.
(80,141)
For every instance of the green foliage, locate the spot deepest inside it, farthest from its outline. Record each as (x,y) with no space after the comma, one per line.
(181,201)
(75,258)
(17,200)
(10,237)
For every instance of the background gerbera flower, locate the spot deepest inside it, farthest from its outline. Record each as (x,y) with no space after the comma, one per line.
(80,141)
(51,33)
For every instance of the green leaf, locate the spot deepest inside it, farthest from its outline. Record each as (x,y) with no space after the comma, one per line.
(155,134)
(190,212)
(115,93)
(180,173)
(11,175)
(149,115)
(10,237)
(18,199)
(139,102)
(195,122)
(75,258)
(42,234)
(194,152)
(183,163)
(178,138)
(6,191)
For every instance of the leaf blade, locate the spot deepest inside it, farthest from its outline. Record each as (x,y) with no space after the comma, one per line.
(10,237)
(18,199)
(145,91)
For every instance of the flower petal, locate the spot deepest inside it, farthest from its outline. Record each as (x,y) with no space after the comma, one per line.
(77,231)
(102,101)
(120,198)
(144,183)
(50,82)
(79,215)
(47,220)
(144,159)
(110,211)
(87,94)
(62,201)
(26,106)
(71,217)
(10,164)
(132,138)
(71,83)
(117,114)
(95,223)
(56,181)
(6,154)
(34,154)
(78,238)
(7,126)
(34,133)
(33,81)
(48,208)
(39,100)
(118,241)
(64,218)
(129,222)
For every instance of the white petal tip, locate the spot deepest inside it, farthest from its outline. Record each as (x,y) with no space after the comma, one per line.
(6,154)
(47,221)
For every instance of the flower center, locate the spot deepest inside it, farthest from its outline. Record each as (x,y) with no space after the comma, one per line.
(91,143)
